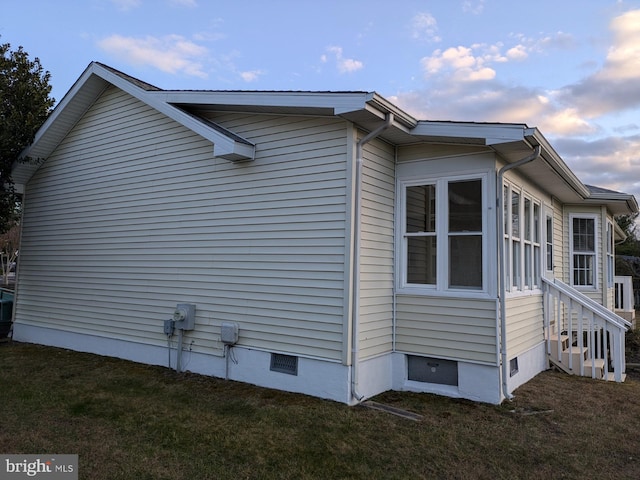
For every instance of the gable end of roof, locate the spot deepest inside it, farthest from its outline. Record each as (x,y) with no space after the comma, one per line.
(86,90)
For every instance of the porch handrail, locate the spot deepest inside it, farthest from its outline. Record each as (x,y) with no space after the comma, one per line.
(590,304)
(601,337)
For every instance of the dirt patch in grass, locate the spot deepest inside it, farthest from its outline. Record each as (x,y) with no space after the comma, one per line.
(127,420)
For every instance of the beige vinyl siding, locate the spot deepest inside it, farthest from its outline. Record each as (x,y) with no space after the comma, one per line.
(132,214)
(450,328)
(376,258)
(524,323)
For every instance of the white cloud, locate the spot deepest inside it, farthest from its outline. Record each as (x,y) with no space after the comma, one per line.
(519,52)
(425,27)
(460,63)
(463,85)
(184,3)
(251,76)
(610,162)
(623,58)
(567,121)
(616,86)
(344,65)
(492,101)
(171,53)
(475,7)
(126,5)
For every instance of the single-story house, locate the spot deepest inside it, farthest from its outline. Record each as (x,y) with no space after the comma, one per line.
(327,243)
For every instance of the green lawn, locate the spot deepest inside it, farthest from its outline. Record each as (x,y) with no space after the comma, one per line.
(132,421)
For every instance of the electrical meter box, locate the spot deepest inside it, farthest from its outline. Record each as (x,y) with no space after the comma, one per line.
(229,333)
(185,316)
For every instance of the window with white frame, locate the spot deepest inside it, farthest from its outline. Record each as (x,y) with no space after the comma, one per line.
(522,237)
(516,256)
(420,234)
(537,246)
(583,251)
(443,234)
(610,256)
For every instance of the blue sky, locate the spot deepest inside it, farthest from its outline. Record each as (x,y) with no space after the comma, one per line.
(569,67)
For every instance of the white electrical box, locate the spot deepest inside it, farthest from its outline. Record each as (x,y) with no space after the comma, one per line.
(229,333)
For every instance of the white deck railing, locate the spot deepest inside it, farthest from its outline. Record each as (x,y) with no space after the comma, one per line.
(587,324)
(624,293)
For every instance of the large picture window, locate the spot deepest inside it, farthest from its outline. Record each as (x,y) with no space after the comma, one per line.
(442,234)
(583,255)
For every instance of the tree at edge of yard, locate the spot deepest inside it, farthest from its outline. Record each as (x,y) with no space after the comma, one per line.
(631,245)
(24,106)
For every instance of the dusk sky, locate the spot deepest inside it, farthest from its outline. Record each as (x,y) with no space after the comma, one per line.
(569,67)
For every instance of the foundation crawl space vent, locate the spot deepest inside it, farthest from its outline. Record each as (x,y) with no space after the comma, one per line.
(284,364)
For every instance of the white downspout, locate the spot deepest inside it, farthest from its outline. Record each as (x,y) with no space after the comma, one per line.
(502,289)
(356,254)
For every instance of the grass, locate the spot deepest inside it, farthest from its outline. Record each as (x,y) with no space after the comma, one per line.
(127,420)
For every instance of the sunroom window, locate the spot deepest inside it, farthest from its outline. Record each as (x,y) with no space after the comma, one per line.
(465,234)
(442,234)
(421,234)
(522,239)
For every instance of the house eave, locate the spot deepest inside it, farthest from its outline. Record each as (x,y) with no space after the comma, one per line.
(616,203)
(511,142)
(86,90)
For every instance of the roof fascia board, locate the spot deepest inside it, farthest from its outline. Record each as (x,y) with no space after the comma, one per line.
(340,102)
(224,145)
(85,90)
(492,134)
(382,105)
(614,198)
(62,107)
(497,134)
(555,162)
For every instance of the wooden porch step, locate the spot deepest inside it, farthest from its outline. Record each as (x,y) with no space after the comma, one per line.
(575,353)
(611,377)
(564,344)
(564,341)
(587,363)
(598,364)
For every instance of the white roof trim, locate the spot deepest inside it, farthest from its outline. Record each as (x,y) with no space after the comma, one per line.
(339,102)
(225,146)
(361,108)
(490,134)
(93,81)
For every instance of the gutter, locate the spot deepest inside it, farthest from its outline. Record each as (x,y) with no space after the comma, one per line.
(356,253)
(502,288)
